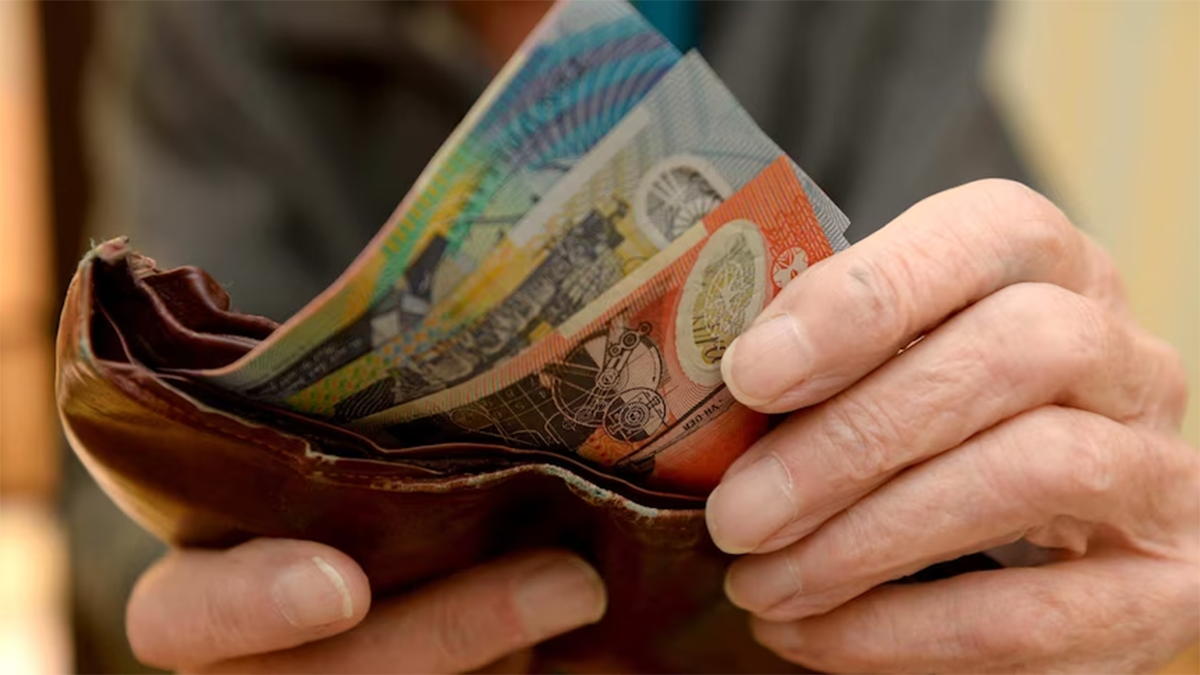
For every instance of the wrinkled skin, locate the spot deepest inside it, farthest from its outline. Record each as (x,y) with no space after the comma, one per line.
(1030,411)
(286,606)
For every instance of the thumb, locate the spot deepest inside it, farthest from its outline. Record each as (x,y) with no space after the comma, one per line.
(195,607)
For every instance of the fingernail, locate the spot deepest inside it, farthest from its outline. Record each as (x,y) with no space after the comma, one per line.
(763,583)
(778,635)
(751,505)
(766,361)
(560,596)
(312,593)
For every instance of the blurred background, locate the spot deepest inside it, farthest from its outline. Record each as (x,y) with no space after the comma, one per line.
(1101,99)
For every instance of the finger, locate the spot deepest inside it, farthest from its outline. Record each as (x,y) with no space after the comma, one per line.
(1092,615)
(1065,478)
(460,624)
(1025,346)
(845,316)
(196,606)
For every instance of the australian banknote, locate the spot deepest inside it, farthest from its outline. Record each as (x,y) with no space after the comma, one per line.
(681,152)
(584,67)
(632,383)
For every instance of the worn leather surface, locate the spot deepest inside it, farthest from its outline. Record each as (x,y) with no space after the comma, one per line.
(198,468)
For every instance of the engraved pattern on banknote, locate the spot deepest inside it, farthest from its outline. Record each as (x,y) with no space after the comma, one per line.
(723,294)
(580,266)
(788,265)
(609,382)
(675,194)
(591,395)
(636,415)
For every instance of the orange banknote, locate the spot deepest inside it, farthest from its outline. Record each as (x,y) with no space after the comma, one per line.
(632,383)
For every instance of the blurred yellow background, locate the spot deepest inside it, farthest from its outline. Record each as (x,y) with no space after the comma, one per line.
(1103,98)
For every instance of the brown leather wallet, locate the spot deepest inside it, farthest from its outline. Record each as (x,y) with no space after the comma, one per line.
(199,467)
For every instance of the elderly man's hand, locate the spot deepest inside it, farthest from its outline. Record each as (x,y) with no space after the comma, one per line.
(279,605)
(969,376)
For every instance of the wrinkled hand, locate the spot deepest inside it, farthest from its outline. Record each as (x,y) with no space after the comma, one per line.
(1031,408)
(278,605)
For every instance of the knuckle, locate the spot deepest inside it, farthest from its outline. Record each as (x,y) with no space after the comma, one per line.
(1065,333)
(840,563)
(863,434)
(1026,201)
(1031,224)
(860,549)
(1169,381)
(1104,277)
(1090,346)
(1085,469)
(1049,458)
(1085,335)
(1029,304)
(1090,470)
(857,545)
(1174,370)
(1082,349)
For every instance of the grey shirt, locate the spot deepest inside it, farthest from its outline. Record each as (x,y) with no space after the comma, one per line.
(267,142)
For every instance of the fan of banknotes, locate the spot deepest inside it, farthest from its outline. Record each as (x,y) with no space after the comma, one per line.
(567,272)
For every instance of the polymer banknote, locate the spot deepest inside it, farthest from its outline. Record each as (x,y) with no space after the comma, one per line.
(632,384)
(579,73)
(680,153)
